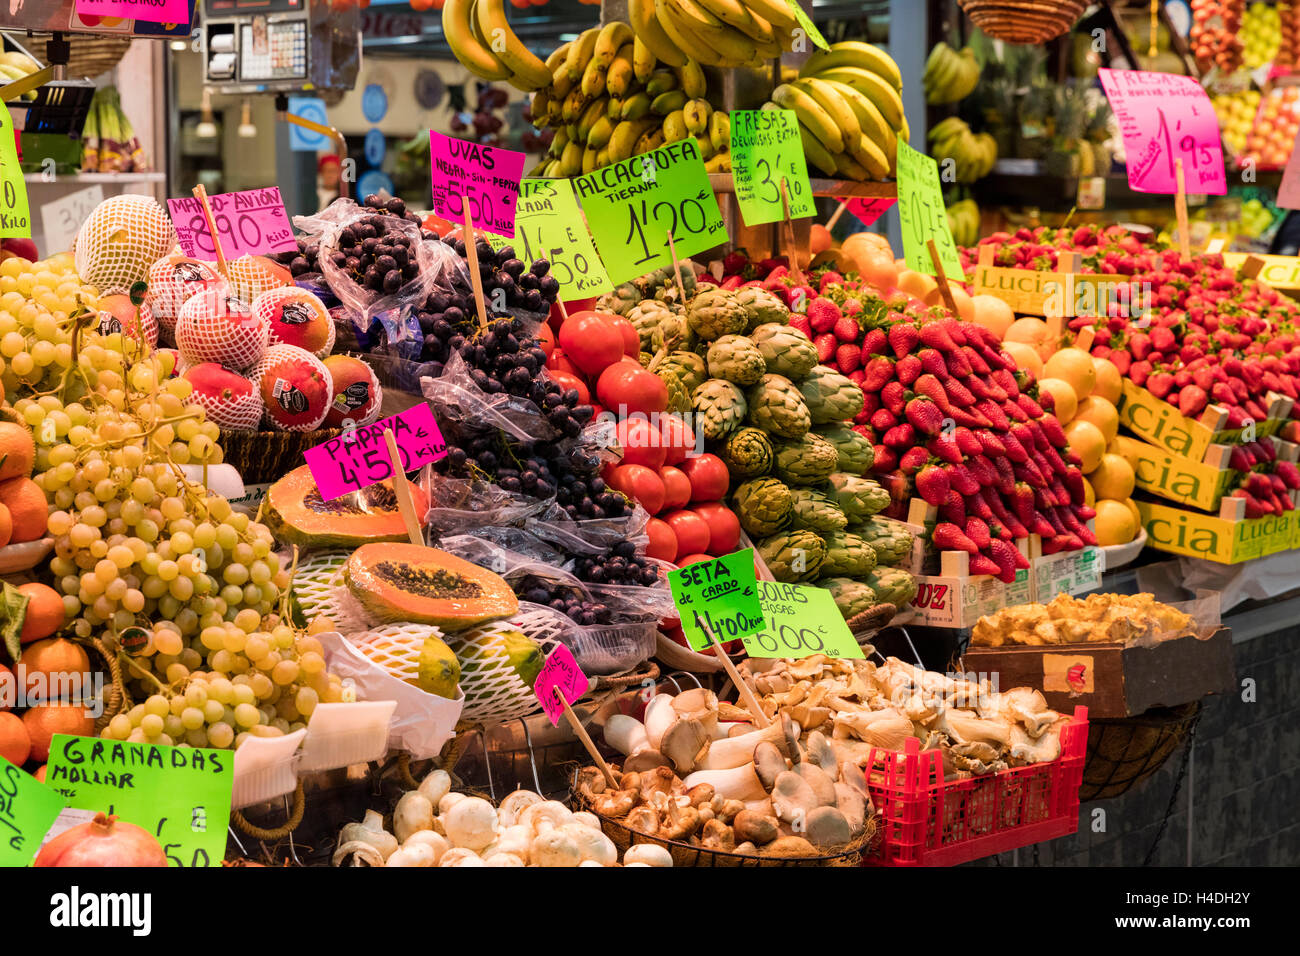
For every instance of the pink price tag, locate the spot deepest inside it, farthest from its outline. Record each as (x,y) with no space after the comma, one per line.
(155,11)
(359,458)
(484,176)
(560,672)
(869,210)
(249,223)
(1288,193)
(1163,118)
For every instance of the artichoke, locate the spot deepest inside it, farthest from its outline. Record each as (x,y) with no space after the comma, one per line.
(679,396)
(621,300)
(890,539)
(815,511)
(856,454)
(808,461)
(687,366)
(830,396)
(892,586)
(848,556)
(763,506)
(645,317)
(859,498)
(748,453)
(793,556)
(785,349)
(719,409)
(672,334)
(851,597)
(776,406)
(736,359)
(762,307)
(715,313)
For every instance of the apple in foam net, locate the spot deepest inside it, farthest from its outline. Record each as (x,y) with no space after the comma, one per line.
(228,398)
(357,393)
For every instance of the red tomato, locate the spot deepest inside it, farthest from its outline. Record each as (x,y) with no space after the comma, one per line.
(546,338)
(692,531)
(640,483)
(559,362)
(663,543)
(708,475)
(567,380)
(631,341)
(579,305)
(677,487)
(591,342)
(640,443)
(724,527)
(693,559)
(628,388)
(678,438)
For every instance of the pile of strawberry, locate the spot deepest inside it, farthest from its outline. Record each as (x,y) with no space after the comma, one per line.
(1267,482)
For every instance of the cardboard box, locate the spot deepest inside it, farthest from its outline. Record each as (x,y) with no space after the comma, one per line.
(1053,295)
(1166,427)
(1068,572)
(1227,537)
(1201,484)
(1112,680)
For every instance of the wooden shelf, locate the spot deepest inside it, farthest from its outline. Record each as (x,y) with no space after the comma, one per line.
(838,188)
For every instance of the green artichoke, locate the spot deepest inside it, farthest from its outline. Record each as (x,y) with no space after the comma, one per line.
(892,586)
(851,597)
(785,349)
(621,300)
(763,506)
(890,539)
(715,313)
(776,406)
(808,461)
(736,359)
(673,334)
(848,556)
(748,453)
(859,498)
(645,317)
(856,454)
(687,366)
(679,396)
(719,409)
(830,396)
(762,307)
(815,511)
(793,556)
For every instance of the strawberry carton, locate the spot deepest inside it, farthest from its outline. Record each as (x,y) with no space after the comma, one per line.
(1230,537)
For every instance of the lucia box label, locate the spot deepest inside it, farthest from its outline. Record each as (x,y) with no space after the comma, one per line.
(1163,473)
(1215,538)
(1280,272)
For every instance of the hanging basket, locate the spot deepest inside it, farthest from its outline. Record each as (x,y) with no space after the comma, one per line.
(91,55)
(1122,752)
(1023,21)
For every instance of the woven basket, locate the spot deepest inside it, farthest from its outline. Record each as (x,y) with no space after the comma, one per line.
(1023,21)
(1125,751)
(91,55)
(264,457)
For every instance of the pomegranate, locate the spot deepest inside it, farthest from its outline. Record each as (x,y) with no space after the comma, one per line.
(357,394)
(104,841)
(229,399)
(295,386)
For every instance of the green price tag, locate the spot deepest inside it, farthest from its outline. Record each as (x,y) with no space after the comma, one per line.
(722,593)
(923,214)
(27,810)
(15,217)
(180,795)
(808,26)
(633,206)
(802,620)
(766,149)
(549,225)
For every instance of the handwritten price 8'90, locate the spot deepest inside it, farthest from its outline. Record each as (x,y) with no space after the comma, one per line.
(244,223)
(796,640)
(682,212)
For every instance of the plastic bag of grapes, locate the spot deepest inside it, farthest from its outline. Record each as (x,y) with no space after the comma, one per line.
(468,396)
(463,505)
(592,535)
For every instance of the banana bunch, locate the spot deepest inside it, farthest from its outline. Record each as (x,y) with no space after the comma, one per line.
(14,66)
(723,33)
(481,39)
(850,114)
(611,97)
(964,222)
(950,76)
(972,155)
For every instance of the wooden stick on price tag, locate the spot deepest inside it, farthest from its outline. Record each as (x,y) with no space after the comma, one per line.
(746,695)
(677,269)
(564,313)
(582,735)
(942,279)
(787,227)
(835,216)
(1180,207)
(471,253)
(201,195)
(403,492)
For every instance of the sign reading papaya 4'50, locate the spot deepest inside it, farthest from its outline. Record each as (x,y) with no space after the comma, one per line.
(359,458)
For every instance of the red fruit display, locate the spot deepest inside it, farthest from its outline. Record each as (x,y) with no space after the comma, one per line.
(295,387)
(677,488)
(640,484)
(692,531)
(641,443)
(724,527)
(663,542)
(228,398)
(678,439)
(708,477)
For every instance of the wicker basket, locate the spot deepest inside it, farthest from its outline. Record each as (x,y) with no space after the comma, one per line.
(1125,751)
(91,55)
(1023,21)
(264,457)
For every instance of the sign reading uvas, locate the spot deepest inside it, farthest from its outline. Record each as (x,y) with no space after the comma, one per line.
(484,178)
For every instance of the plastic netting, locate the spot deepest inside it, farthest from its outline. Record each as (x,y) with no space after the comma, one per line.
(173,281)
(493,690)
(213,326)
(282,366)
(296,317)
(396,647)
(318,586)
(250,276)
(120,240)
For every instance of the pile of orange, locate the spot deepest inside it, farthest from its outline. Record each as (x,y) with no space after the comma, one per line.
(23,509)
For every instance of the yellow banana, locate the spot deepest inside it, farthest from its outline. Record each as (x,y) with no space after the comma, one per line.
(590,116)
(602,158)
(870,85)
(558,142)
(574,104)
(816,153)
(729,12)
(758,30)
(870,121)
(870,155)
(718,163)
(728,41)
(835,106)
(571,160)
(600,133)
(636,106)
(627,134)
(720,130)
(661,82)
(775,12)
(812,116)
(706,147)
(645,24)
(610,40)
(614,108)
(854,53)
(527,71)
(593,78)
(665,103)
(581,51)
(649,142)
(691,46)
(675,127)
(697,113)
(693,81)
(560,82)
(458,27)
(643,60)
(540,105)
(849,168)
(621,73)
(588,160)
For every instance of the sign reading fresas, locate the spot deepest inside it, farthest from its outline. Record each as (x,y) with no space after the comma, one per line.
(62,218)
(155,11)
(485,177)
(722,593)
(765,151)
(923,214)
(27,808)
(560,673)
(801,621)
(633,206)
(180,795)
(872,208)
(15,216)
(1164,117)
(249,223)
(359,458)
(549,225)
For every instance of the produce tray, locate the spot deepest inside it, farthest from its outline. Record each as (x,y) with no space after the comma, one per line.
(1164,426)
(1201,483)
(1228,537)
(929,821)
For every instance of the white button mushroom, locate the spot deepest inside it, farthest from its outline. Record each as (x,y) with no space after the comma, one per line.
(412,814)
(515,839)
(414,854)
(590,863)
(460,856)
(647,854)
(448,801)
(503,859)
(542,816)
(435,786)
(471,823)
(435,841)
(592,844)
(552,847)
(587,819)
(510,808)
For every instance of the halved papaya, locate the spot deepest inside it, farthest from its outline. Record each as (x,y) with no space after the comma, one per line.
(407,582)
(295,512)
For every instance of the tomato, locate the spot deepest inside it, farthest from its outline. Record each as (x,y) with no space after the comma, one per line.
(678,438)
(591,342)
(663,543)
(640,443)
(628,388)
(708,476)
(693,559)
(559,362)
(692,531)
(639,483)
(568,380)
(546,338)
(575,306)
(677,487)
(631,341)
(724,527)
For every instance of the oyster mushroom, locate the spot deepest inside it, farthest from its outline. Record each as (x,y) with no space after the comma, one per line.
(793,799)
(659,716)
(684,743)
(827,827)
(823,786)
(755,828)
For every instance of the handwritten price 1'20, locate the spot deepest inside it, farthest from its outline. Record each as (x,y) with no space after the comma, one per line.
(682,212)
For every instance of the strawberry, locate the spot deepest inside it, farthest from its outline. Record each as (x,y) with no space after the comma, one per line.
(925,416)
(953,509)
(1007,477)
(1238,460)
(1003,555)
(997,418)
(1045,498)
(978,505)
(958,393)
(1083,512)
(1008,383)
(956,329)
(967,442)
(894,397)
(957,364)
(1015,451)
(934,335)
(903,337)
(990,444)
(949,537)
(908,368)
(1029,406)
(978,532)
(1053,430)
(1046,401)
(848,358)
(999,509)
(932,361)
(1014,412)
(800,322)
(912,460)
(829,278)
(932,484)
(1028,471)
(980,565)
(877,372)
(900,436)
(1289,474)
(944,447)
(883,420)
(1042,527)
(874,342)
(823,314)
(886,460)
(847,329)
(962,479)
(1023,502)
(826,344)
(982,470)
(975,361)
(856,377)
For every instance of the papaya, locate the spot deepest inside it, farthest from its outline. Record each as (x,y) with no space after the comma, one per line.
(296,513)
(409,582)
(484,649)
(439,669)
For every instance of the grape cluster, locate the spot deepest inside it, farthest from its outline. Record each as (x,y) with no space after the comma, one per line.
(564,598)
(525,288)
(306,260)
(619,565)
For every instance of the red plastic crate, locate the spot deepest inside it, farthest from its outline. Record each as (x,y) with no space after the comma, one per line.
(927,821)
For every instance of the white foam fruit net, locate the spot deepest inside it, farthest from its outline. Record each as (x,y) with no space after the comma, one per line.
(173,280)
(396,647)
(120,240)
(250,276)
(493,691)
(284,308)
(318,586)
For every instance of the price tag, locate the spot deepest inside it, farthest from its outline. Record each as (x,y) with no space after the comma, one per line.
(923,215)
(180,795)
(1288,193)
(560,672)
(632,206)
(155,11)
(765,149)
(484,176)
(869,210)
(1091,193)
(15,216)
(723,593)
(805,22)
(27,810)
(1164,117)
(62,218)
(801,621)
(249,223)
(359,458)
(549,225)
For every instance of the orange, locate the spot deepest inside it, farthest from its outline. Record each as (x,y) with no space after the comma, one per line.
(876,267)
(1089,494)
(1034,333)
(965,307)
(1025,356)
(54,657)
(45,613)
(6,526)
(916,283)
(1115,523)
(39,773)
(992,313)
(27,508)
(820,239)
(1137,515)
(1101,413)
(15,742)
(17,451)
(1074,366)
(1127,448)
(1087,442)
(1067,403)
(1113,478)
(45,720)
(1110,385)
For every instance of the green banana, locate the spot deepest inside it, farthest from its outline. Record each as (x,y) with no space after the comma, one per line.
(571,160)
(665,103)
(636,106)
(590,116)
(697,113)
(661,81)
(599,134)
